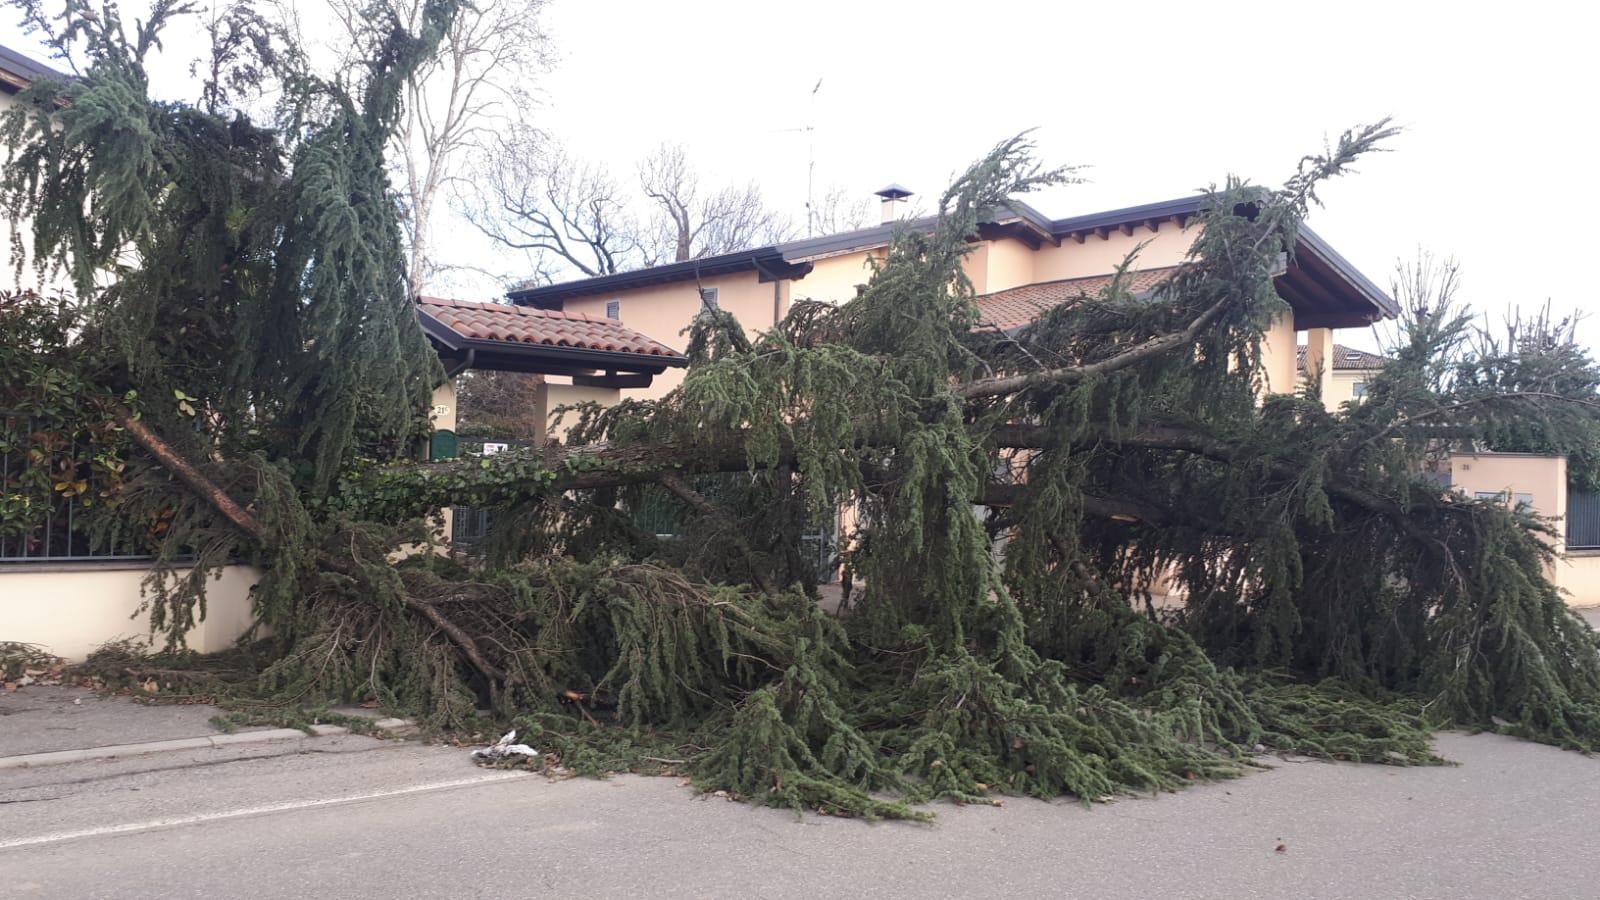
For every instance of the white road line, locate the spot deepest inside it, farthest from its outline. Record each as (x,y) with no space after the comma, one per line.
(154,824)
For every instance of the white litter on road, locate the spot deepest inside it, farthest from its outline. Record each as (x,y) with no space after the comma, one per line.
(504,749)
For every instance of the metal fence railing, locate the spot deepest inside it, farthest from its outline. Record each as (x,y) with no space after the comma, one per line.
(58,534)
(469,527)
(1583,521)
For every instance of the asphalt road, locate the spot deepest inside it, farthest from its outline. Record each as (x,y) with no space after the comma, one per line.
(359,818)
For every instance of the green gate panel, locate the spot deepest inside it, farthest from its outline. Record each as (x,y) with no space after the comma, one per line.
(443,445)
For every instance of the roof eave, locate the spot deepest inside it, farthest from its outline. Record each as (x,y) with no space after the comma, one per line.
(567,358)
(439,332)
(562,360)
(1324,252)
(768,262)
(1166,209)
(18,72)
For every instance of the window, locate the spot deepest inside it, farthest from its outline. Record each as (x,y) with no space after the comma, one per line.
(1522,502)
(1359,389)
(614,309)
(708,300)
(1496,496)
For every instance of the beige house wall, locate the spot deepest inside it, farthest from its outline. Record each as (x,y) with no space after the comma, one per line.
(442,411)
(976,267)
(1097,255)
(835,279)
(72,609)
(1544,478)
(1341,386)
(1319,361)
(1010,265)
(1578,573)
(664,313)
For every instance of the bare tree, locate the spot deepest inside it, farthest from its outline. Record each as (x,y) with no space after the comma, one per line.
(529,194)
(688,224)
(498,404)
(474,88)
(840,211)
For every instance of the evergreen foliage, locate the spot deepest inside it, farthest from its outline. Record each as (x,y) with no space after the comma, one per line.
(1339,604)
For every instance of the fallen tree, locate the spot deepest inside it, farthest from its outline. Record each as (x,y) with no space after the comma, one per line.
(1338,603)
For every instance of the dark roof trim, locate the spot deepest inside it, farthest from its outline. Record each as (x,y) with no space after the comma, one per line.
(847,241)
(18,71)
(769,261)
(1187,206)
(1015,220)
(1308,240)
(1027,214)
(547,358)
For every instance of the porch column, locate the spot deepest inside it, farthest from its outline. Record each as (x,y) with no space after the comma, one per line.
(554,395)
(1278,355)
(1319,359)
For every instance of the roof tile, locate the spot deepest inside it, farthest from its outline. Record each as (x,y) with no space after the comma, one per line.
(529,325)
(1021,305)
(1345,359)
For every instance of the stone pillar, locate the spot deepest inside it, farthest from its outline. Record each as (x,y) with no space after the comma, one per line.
(443,410)
(442,413)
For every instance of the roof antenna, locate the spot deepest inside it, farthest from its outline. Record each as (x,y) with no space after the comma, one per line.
(811,163)
(811,159)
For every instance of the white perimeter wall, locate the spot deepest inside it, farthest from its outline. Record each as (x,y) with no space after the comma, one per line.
(71,609)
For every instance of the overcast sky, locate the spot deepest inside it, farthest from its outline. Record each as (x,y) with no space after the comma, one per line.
(1157,99)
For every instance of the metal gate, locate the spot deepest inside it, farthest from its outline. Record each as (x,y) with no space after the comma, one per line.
(1583,521)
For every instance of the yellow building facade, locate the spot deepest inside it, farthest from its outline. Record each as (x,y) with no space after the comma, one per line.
(1020,248)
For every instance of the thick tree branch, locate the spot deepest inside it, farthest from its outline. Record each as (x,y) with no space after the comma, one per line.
(995,387)
(242,519)
(204,487)
(1199,444)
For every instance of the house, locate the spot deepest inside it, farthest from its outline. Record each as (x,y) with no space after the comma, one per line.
(1348,375)
(1021,263)
(1538,482)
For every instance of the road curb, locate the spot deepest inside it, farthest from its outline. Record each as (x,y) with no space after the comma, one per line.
(118,751)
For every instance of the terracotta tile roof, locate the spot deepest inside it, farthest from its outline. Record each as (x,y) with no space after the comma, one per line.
(528,325)
(1345,359)
(1021,305)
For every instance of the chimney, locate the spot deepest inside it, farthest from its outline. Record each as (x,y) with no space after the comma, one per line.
(894,199)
